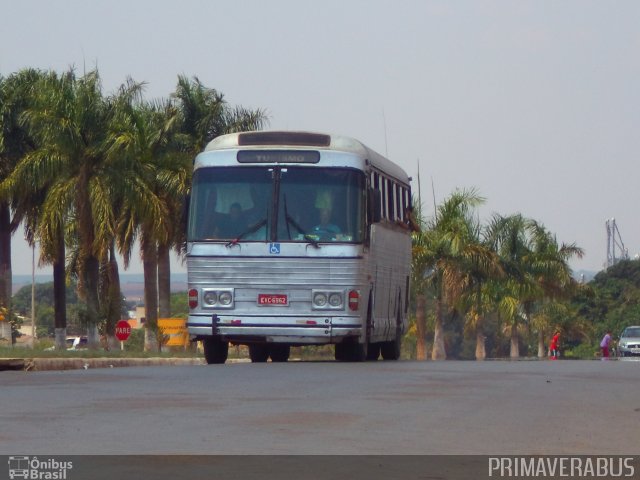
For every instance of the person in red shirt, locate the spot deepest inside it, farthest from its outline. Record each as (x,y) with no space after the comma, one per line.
(553,346)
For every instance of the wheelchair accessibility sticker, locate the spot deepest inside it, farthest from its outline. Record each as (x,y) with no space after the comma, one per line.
(274,248)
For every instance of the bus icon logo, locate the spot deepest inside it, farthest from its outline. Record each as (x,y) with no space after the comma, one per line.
(18,467)
(274,248)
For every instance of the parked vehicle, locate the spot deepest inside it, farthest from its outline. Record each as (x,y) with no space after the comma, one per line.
(629,343)
(76,342)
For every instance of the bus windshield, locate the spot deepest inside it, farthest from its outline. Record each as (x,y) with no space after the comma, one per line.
(277,203)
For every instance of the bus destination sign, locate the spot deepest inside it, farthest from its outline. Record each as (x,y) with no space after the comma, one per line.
(278,156)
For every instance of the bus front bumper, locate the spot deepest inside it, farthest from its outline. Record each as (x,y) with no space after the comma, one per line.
(307,330)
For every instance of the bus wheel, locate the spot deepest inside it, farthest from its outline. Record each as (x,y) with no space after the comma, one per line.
(373,351)
(258,352)
(279,353)
(215,350)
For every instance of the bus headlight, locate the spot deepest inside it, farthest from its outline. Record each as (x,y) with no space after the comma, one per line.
(335,299)
(217,298)
(327,300)
(319,299)
(225,299)
(210,298)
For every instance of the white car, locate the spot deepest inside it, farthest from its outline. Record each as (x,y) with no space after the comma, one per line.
(76,343)
(629,343)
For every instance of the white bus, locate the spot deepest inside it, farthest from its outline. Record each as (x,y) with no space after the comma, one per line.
(297,238)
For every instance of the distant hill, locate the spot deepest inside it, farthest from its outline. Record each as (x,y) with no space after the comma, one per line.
(132,284)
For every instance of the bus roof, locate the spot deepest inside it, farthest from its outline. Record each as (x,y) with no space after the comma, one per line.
(300,139)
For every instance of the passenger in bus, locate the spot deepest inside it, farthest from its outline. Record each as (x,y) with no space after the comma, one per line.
(409,222)
(326,230)
(233,224)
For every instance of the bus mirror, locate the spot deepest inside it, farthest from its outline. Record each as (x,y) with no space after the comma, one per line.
(375,205)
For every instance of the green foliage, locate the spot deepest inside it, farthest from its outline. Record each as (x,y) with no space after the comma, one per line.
(584,351)
(613,300)
(45,308)
(135,342)
(179,305)
(43,297)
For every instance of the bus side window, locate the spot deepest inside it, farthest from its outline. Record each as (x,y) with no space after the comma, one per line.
(390,210)
(375,205)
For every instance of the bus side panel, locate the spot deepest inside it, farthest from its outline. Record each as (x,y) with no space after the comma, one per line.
(389,266)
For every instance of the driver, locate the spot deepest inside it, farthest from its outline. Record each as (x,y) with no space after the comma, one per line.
(326,230)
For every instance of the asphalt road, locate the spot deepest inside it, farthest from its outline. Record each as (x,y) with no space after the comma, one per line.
(406,407)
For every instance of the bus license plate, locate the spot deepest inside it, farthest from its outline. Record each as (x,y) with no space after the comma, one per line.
(272,300)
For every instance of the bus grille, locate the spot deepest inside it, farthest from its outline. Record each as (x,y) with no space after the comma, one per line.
(294,272)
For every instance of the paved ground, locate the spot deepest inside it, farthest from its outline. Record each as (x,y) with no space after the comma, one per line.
(377,408)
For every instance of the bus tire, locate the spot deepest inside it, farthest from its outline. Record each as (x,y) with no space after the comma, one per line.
(373,352)
(279,352)
(258,352)
(215,350)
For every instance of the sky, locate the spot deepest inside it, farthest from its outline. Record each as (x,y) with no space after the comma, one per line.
(534,103)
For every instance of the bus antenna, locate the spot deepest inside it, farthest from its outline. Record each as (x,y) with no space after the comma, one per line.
(384,123)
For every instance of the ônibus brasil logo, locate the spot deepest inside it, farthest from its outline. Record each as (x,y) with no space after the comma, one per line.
(38,469)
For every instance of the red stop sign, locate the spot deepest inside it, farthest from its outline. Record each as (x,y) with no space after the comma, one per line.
(123,330)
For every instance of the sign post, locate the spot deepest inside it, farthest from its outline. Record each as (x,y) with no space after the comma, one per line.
(123,330)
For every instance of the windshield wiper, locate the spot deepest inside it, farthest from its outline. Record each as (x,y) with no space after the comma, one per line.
(306,236)
(252,229)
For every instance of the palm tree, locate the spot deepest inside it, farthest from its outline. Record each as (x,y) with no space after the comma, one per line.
(509,237)
(16,204)
(443,253)
(551,271)
(205,114)
(69,121)
(537,270)
(139,135)
(478,298)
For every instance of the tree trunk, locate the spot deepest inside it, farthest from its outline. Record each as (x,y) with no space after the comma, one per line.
(481,353)
(150,268)
(114,299)
(438,352)
(164,282)
(5,271)
(89,263)
(60,296)
(515,348)
(542,350)
(91,281)
(421,327)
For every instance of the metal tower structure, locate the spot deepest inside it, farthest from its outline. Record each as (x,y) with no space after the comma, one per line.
(616,250)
